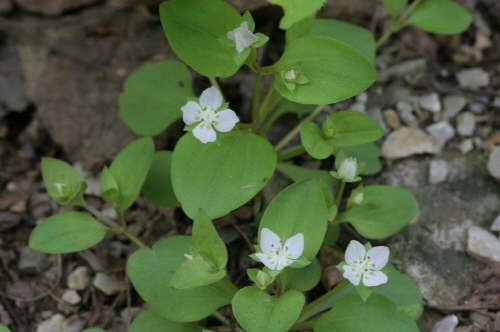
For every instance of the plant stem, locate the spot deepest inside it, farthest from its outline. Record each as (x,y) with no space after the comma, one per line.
(269,120)
(136,240)
(291,153)
(262,121)
(296,130)
(340,193)
(256,97)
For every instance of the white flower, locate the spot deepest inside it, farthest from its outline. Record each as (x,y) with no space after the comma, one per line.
(242,37)
(205,113)
(365,265)
(277,256)
(348,168)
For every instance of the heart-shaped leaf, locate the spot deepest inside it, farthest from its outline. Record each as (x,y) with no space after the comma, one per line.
(313,142)
(306,278)
(151,321)
(296,10)
(158,184)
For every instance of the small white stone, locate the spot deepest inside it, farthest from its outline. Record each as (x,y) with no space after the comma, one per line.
(430,102)
(404,142)
(466,146)
(473,78)
(483,245)
(442,130)
(358,107)
(438,171)
(391,118)
(71,296)
(110,212)
(362,97)
(79,278)
(466,123)
(107,284)
(405,111)
(496,224)
(446,324)
(54,323)
(454,105)
(477,108)
(494,163)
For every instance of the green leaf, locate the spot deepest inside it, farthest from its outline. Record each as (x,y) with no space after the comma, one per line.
(257,311)
(353,35)
(394,7)
(306,278)
(332,235)
(195,273)
(151,321)
(64,184)
(151,270)
(297,173)
(4,328)
(368,153)
(158,184)
(67,232)
(197,32)
(336,71)
(130,168)
(350,128)
(299,29)
(109,188)
(207,241)
(297,108)
(355,315)
(220,178)
(385,210)
(440,16)
(296,10)
(313,141)
(153,96)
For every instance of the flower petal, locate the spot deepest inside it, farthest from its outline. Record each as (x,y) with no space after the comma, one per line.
(352,274)
(271,261)
(269,241)
(294,246)
(204,134)
(354,252)
(211,97)
(283,262)
(226,120)
(379,257)
(374,278)
(190,112)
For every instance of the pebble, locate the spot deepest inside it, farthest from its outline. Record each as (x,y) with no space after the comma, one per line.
(79,278)
(446,324)
(107,284)
(496,102)
(473,78)
(430,102)
(362,97)
(376,114)
(454,105)
(466,146)
(405,111)
(477,108)
(54,323)
(403,68)
(391,118)
(30,259)
(71,296)
(496,224)
(483,245)
(438,171)
(442,130)
(405,142)
(494,163)
(466,123)
(358,107)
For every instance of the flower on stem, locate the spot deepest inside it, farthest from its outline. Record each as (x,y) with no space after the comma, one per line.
(242,37)
(348,169)
(365,266)
(206,114)
(277,256)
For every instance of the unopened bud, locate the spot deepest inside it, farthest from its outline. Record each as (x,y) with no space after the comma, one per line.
(348,168)
(290,75)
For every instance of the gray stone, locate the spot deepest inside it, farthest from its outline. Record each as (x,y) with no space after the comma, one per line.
(466,123)
(12,84)
(405,111)
(446,324)
(405,142)
(391,118)
(473,78)
(442,130)
(54,323)
(496,102)
(403,68)
(376,114)
(496,224)
(362,97)
(358,107)
(79,278)
(31,259)
(71,296)
(466,146)
(430,102)
(454,105)
(477,108)
(494,163)
(483,245)
(107,284)
(438,171)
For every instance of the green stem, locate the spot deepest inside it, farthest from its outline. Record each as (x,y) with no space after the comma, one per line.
(134,239)
(272,98)
(296,130)
(340,193)
(269,120)
(121,217)
(256,97)
(291,153)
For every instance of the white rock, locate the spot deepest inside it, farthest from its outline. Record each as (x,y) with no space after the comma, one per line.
(454,105)
(71,296)
(466,123)
(438,171)
(442,130)
(466,146)
(405,111)
(376,114)
(446,324)
(362,97)
(473,78)
(405,142)
(494,163)
(107,284)
(79,278)
(54,323)
(483,245)
(477,108)
(430,102)
(496,224)
(391,118)
(358,107)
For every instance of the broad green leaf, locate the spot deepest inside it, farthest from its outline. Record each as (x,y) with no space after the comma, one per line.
(207,241)
(299,29)
(151,270)
(197,32)
(384,211)
(158,184)
(257,311)
(151,321)
(368,153)
(335,71)
(355,315)
(67,232)
(4,328)
(313,141)
(296,10)
(394,7)
(297,173)
(220,178)
(353,35)
(299,208)
(292,107)
(332,235)
(130,168)
(306,278)
(440,16)
(195,273)
(348,128)
(153,96)
(64,184)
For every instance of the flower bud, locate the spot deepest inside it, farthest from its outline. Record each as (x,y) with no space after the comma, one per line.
(348,169)
(263,278)
(358,199)
(290,75)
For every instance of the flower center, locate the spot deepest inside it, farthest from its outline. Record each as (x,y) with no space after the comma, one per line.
(208,117)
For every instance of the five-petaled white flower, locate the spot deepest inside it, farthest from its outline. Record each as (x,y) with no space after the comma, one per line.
(242,37)
(205,113)
(277,256)
(366,266)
